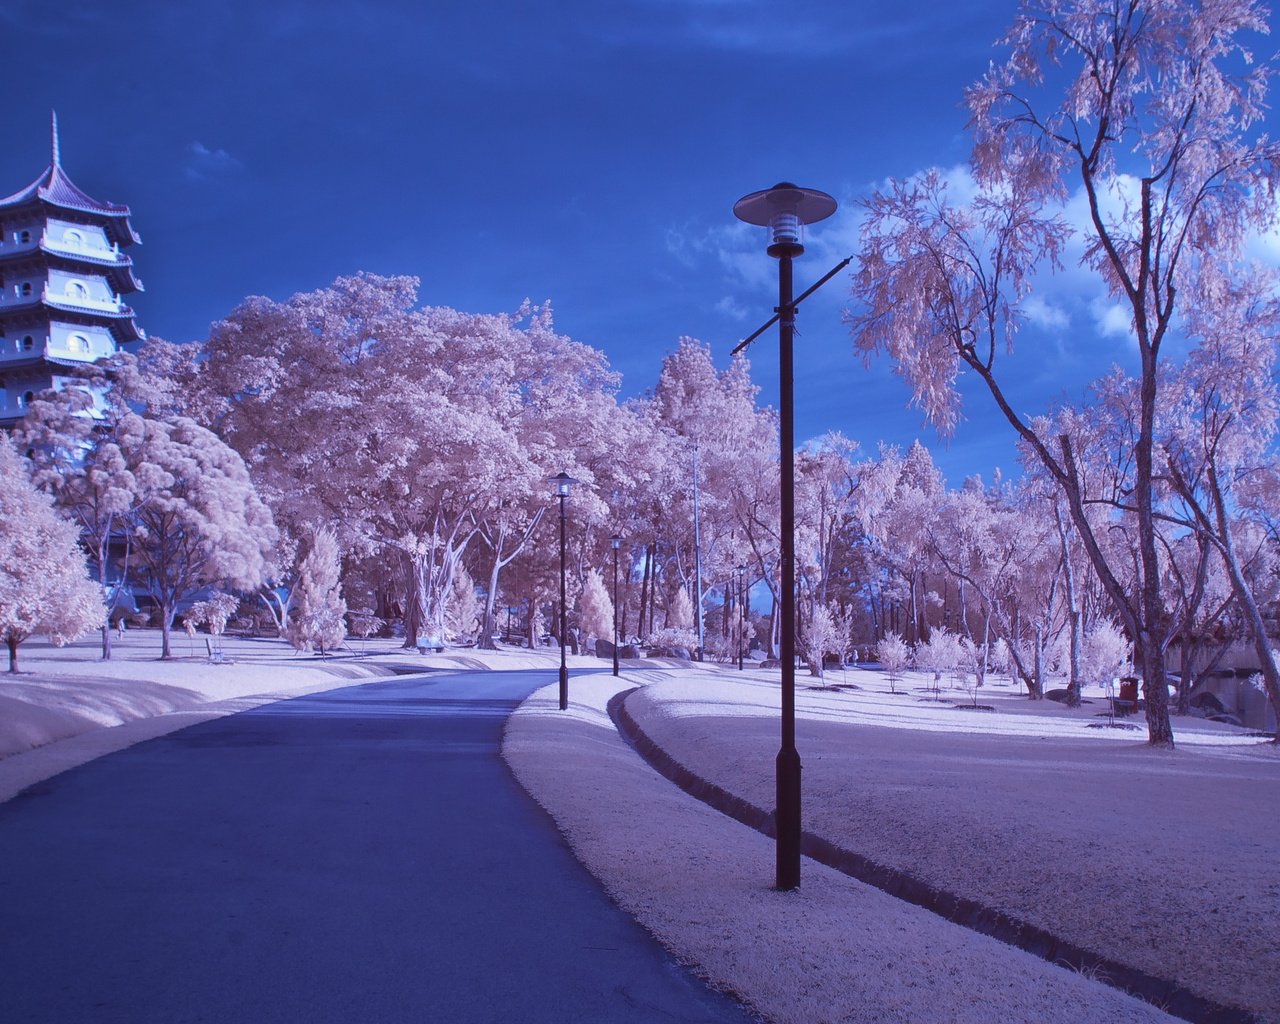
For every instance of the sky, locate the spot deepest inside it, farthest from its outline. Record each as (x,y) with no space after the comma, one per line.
(584,153)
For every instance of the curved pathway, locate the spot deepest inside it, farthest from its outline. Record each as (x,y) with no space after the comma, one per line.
(361,855)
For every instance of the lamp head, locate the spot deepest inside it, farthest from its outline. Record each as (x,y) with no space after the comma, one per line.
(562,482)
(784,209)
(615,542)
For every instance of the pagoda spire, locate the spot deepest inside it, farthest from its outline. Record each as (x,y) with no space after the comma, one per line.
(53,115)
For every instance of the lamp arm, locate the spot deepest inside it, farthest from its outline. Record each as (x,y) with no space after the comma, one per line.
(795,303)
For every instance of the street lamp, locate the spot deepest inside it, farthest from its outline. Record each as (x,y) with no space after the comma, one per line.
(784,209)
(615,542)
(742,612)
(563,482)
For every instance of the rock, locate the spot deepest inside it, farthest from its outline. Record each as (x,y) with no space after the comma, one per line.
(629,651)
(770,663)
(682,653)
(1208,702)
(1056,695)
(604,649)
(1228,719)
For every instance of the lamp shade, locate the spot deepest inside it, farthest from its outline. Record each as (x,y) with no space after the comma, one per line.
(783,209)
(562,482)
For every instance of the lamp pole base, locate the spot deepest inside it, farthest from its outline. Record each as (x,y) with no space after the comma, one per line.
(787,819)
(564,688)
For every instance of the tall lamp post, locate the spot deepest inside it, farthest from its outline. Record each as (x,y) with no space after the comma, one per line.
(615,542)
(783,209)
(742,612)
(563,481)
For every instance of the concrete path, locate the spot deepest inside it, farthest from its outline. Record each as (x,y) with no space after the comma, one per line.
(362,855)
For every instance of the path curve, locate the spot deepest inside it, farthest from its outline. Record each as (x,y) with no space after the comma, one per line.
(357,855)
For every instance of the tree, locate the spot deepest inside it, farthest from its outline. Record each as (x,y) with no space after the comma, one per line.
(940,653)
(894,654)
(595,608)
(1221,434)
(1162,136)
(201,522)
(75,447)
(409,430)
(462,612)
(317,620)
(825,633)
(44,586)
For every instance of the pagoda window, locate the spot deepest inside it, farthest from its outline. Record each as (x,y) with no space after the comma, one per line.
(24,289)
(77,289)
(78,343)
(24,237)
(73,237)
(27,398)
(28,343)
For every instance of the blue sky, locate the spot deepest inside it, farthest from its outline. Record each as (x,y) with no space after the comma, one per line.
(584,152)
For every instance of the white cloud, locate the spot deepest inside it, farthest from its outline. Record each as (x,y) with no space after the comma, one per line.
(732,308)
(1045,315)
(204,163)
(1112,319)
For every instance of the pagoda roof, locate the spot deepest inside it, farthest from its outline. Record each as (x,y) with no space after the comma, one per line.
(56,189)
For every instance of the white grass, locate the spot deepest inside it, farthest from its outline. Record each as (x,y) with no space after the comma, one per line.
(835,951)
(1168,861)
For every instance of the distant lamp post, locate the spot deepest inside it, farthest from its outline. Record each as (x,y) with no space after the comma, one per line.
(615,542)
(784,209)
(563,481)
(742,612)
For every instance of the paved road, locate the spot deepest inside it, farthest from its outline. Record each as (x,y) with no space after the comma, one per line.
(362,855)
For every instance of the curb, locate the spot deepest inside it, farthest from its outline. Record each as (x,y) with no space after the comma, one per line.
(1162,992)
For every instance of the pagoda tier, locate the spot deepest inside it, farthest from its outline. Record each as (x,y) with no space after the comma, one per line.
(63,278)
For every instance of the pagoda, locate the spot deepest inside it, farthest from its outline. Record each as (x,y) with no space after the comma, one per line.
(64,273)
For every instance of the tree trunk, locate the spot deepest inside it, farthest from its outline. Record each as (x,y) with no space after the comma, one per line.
(644,591)
(166,627)
(1038,692)
(490,626)
(13,654)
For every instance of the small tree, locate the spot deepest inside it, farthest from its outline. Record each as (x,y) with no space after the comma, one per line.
(939,654)
(826,633)
(1106,653)
(44,586)
(317,621)
(973,661)
(595,609)
(680,611)
(213,614)
(894,654)
(999,657)
(462,610)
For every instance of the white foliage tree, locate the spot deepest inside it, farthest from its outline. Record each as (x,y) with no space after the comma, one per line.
(462,610)
(1107,652)
(201,522)
(317,622)
(894,654)
(44,586)
(595,608)
(940,653)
